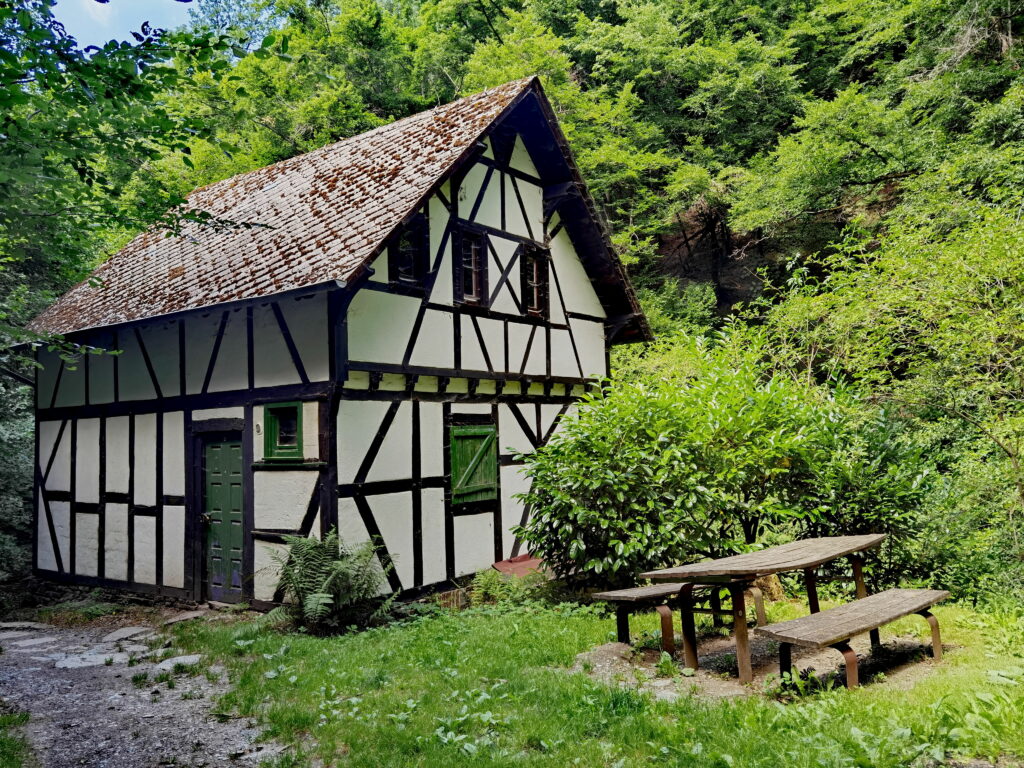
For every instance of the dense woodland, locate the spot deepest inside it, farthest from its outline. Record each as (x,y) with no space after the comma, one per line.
(819,200)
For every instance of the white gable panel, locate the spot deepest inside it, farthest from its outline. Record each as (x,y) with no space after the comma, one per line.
(441,293)
(87,461)
(231,369)
(306,318)
(493,333)
(379,326)
(521,159)
(117,454)
(161,343)
(514,480)
(200,334)
(472,352)
(280,499)
(589,337)
(518,338)
(133,379)
(46,376)
(379,268)
(512,438)
(393,515)
(272,364)
(576,290)
(431,439)
(532,198)
(434,341)
(515,222)
(537,363)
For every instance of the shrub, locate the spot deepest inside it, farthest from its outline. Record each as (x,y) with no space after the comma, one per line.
(702,465)
(328,585)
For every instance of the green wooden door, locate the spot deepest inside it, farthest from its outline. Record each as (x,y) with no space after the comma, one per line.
(222,513)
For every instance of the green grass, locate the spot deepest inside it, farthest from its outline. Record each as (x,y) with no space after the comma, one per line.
(489,686)
(13,748)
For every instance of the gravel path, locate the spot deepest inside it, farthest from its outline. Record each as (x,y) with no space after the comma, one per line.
(87,710)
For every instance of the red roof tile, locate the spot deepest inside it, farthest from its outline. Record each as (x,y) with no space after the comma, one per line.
(319,216)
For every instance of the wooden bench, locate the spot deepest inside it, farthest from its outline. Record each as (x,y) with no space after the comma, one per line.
(835,627)
(660,597)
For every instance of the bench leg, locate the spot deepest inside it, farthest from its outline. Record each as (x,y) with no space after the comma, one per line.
(851,664)
(755,592)
(785,659)
(811,584)
(876,639)
(739,627)
(688,626)
(668,634)
(622,623)
(715,603)
(936,640)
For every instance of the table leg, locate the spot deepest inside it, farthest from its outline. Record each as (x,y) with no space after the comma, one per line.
(756,594)
(668,634)
(811,583)
(785,659)
(858,575)
(715,603)
(622,623)
(688,626)
(936,639)
(739,628)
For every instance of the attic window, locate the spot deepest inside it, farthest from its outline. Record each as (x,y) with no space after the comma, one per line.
(409,254)
(473,268)
(535,281)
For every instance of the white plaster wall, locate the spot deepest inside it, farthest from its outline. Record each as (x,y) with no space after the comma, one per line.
(394,460)
(101,372)
(434,343)
(472,352)
(46,376)
(563,358)
(438,214)
(477,408)
(493,332)
(515,222)
(174,453)
(431,439)
(60,472)
(61,513)
(511,438)
(513,480)
(521,159)
(518,338)
(280,499)
(380,269)
(115,529)
(533,202)
(87,527)
(265,569)
(117,454)
(537,363)
(393,513)
(145,459)
(589,338)
(87,461)
(200,334)
(474,543)
(311,430)
(144,532)
(231,371)
(379,326)
(432,520)
(351,531)
(358,422)
(71,389)
(174,546)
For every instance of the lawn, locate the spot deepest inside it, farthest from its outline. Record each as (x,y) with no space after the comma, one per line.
(13,748)
(490,686)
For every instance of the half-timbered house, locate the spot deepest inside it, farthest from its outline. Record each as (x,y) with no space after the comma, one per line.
(409,310)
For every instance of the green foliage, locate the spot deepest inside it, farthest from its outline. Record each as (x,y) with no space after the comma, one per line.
(707,462)
(14,749)
(329,586)
(493,587)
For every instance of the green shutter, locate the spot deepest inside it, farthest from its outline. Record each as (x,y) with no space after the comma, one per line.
(474,456)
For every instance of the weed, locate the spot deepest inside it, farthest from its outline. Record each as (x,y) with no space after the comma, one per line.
(108,661)
(666,666)
(140,679)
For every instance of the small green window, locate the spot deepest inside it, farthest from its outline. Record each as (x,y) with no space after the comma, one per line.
(474,457)
(282,431)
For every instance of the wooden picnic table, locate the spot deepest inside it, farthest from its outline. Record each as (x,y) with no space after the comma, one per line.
(737,574)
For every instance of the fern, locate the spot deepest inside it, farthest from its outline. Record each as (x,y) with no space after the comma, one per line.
(328,585)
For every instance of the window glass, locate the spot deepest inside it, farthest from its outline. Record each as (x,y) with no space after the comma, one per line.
(474,260)
(282,427)
(410,253)
(535,281)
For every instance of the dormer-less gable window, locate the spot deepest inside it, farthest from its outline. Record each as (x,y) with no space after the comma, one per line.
(472,272)
(409,253)
(535,280)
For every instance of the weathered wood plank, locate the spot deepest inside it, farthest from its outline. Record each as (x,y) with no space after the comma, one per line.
(639,594)
(797,555)
(843,622)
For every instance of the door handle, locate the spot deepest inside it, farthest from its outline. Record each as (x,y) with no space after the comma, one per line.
(205,518)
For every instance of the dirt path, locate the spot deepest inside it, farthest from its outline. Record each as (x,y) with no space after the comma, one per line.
(91,706)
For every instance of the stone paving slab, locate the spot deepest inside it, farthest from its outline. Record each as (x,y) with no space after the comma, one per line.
(18,644)
(185,616)
(12,635)
(25,625)
(168,665)
(124,633)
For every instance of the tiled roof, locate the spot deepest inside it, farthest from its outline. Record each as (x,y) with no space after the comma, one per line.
(319,216)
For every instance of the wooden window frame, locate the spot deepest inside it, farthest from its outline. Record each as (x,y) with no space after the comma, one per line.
(418,253)
(481,298)
(272,451)
(536,261)
(475,429)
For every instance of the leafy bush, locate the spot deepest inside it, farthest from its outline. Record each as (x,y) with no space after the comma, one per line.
(329,586)
(649,475)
